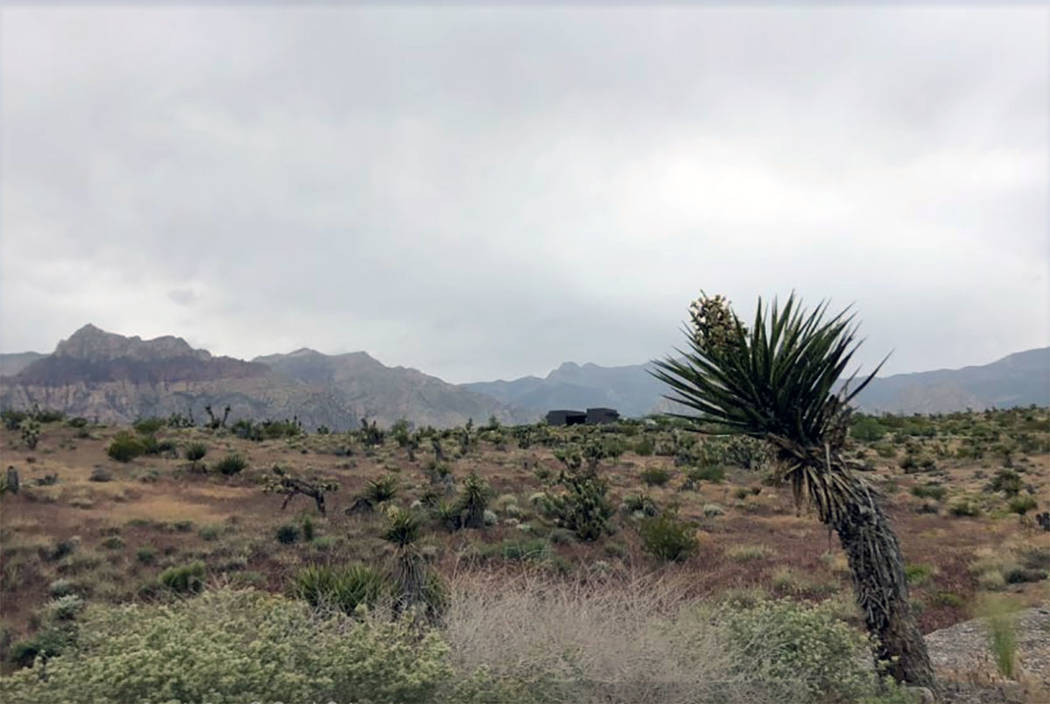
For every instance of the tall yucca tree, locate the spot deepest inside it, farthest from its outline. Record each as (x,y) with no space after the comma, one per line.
(779,380)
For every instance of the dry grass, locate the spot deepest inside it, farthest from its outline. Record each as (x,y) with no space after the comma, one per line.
(635,640)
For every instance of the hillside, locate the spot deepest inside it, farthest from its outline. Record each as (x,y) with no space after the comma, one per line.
(97,374)
(1020,379)
(629,389)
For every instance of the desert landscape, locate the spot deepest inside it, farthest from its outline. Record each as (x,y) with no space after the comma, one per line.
(151,513)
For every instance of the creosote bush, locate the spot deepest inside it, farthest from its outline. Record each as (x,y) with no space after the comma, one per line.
(125,447)
(667,537)
(184,579)
(233,647)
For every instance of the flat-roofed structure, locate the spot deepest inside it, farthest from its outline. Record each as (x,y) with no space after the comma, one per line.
(597,416)
(565,417)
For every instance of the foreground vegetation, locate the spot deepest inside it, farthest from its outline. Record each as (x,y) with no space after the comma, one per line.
(532,554)
(544,643)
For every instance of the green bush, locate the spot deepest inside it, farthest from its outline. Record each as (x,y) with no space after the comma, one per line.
(867,428)
(1022,504)
(644,446)
(287,534)
(125,447)
(184,579)
(233,647)
(667,537)
(583,507)
(149,426)
(343,588)
(1006,481)
(964,506)
(196,451)
(783,641)
(929,491)
(656,476)
(231,464)
(710,473)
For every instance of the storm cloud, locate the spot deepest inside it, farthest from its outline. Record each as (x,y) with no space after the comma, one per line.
(485,192)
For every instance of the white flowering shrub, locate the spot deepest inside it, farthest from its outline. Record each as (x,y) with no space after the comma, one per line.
(228,647)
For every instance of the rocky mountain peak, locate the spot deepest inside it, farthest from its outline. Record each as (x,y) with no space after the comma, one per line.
(94,344)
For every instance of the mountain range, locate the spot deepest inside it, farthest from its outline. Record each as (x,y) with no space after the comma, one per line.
(1019,379)
(119,379)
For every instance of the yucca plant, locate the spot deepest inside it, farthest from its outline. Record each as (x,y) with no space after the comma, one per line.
(779,381)
(416,586)
(473,500)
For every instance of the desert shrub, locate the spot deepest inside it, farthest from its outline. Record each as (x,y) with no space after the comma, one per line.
(1022,504)
(712,510)
(195,451)
(47,643)
(62,587)
(287,533)
(667,537)
(1034,557)
(710,473)
(950,599)
(885,450)
(746,553)
(343,588)
(12,418)
(48,415)
(113,542)
(148,426)
(644,446)
(1006,481)
(77,422)
(63,608)
(583,507)
(639,503)
(184,579)
(656,476)
(146,555)
(807,646)
(234,647)
(964,506)
(518,550)
(929,491)
(1019,575)
(918,574)
(231,464)
(125,447)
(867,428)
(30,428)
(210,532)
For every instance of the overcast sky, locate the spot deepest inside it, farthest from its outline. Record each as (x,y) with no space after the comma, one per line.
(484,192)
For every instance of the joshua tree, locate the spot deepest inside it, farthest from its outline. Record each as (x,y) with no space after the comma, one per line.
(284,483)
(779,381)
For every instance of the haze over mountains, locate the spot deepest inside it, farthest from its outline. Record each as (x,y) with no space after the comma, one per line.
(118,378)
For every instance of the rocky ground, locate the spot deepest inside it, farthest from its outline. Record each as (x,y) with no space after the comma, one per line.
(965,666)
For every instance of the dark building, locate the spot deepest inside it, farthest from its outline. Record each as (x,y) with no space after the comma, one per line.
(596,416)
(566,418)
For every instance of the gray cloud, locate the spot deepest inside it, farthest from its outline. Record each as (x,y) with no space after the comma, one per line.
(483,192)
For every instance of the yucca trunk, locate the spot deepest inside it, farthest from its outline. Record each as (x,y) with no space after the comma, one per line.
(881,586)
